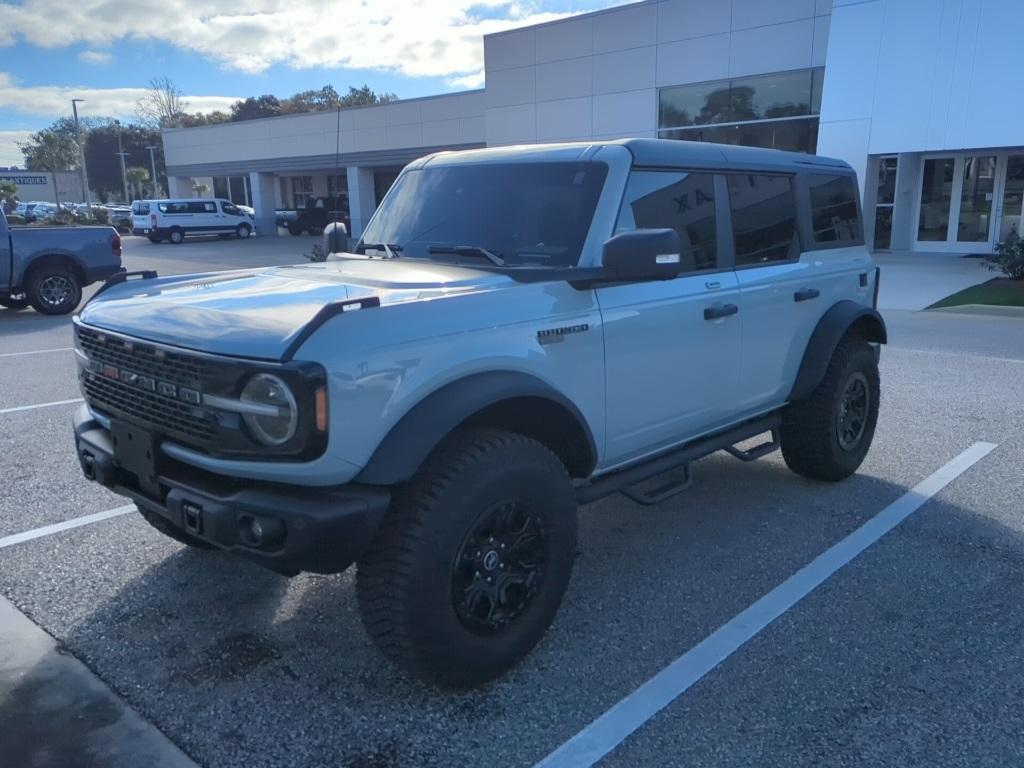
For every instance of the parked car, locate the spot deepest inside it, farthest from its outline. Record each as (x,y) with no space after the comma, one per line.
(317,214)
(174,220)
(519,331)
(120,217)
(47,267)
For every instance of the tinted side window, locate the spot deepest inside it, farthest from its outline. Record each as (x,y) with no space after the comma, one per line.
(834,209)
(681,201)
(230,209)
(763,218)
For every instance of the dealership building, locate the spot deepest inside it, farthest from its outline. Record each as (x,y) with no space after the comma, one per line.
(921,97)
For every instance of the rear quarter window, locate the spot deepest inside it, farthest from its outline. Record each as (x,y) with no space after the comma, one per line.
(834,217)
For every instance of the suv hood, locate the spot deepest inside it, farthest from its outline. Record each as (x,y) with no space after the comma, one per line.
(259,313)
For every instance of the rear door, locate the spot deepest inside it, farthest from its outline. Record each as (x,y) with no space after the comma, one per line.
(785,284)
(671,347)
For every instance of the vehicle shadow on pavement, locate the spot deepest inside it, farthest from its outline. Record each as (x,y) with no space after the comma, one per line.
(237,664)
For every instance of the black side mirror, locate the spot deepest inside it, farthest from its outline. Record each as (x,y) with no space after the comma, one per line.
(335,238)
(643,254)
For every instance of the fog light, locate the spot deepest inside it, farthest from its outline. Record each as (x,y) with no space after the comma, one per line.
(260,531)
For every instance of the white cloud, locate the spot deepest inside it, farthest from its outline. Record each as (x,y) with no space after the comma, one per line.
(412,37)
(53,101)
(95,57)
(9,152)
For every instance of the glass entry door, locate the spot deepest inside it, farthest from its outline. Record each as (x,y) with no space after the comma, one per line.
(1013,197)
(960,199)
(884,200)
(977,189)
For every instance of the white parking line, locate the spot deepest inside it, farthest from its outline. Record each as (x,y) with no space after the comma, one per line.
(610,729)
(46,530)
(39,405)
(36,352)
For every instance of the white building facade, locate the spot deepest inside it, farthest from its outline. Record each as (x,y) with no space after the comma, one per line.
(918,95)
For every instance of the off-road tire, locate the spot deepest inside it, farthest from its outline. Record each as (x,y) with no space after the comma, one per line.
(53,289)
(176,236)
(14,303)
(810,432)
(406,582)
(169,530)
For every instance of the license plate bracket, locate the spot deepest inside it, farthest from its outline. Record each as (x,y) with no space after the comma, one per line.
(135,451)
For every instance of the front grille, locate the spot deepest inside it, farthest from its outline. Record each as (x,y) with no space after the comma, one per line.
(179,369)
(175,417)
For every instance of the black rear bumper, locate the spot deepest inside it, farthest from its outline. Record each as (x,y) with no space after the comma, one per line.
(323,530)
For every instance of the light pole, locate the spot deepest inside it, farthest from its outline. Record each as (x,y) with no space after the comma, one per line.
(81,156)
(121,153)
(152,165)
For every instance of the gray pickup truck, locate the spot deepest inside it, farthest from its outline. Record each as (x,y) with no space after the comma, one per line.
(47,267)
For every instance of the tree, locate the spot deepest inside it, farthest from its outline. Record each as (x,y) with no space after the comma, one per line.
(52,151)
(101,155)
(358,97)
(138,178)
(256,107)
(163,106)
(200,189)
(8,195)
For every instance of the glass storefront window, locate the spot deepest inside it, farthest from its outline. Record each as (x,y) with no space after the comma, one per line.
(798,135)
(936,192)
(752,111)
(976,199)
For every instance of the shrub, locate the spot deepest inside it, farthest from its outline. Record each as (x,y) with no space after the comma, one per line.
(1008,258)
(102,215)
(13,218)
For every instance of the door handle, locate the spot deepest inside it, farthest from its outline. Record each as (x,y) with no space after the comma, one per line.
(712,285)
(805,294)
(720,310)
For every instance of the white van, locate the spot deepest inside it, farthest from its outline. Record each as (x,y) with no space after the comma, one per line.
(174,220)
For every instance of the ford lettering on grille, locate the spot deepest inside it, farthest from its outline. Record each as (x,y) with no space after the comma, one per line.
(148,383)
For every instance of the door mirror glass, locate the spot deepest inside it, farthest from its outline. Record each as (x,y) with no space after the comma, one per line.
(644,254)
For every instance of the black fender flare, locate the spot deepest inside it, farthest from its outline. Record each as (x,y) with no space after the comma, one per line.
(418,432)
(834,324)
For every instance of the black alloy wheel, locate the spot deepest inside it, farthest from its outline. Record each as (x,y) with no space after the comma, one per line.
(499,568)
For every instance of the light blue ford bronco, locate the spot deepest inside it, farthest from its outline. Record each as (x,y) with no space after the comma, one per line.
(519,331)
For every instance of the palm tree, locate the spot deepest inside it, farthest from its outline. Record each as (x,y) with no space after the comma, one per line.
(137,177)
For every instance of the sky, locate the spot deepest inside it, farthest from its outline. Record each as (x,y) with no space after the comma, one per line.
(106,52)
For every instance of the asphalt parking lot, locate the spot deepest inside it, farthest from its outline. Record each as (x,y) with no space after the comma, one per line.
(909,655)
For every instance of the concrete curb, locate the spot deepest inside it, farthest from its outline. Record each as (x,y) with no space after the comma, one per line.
(981,309)
(55,711)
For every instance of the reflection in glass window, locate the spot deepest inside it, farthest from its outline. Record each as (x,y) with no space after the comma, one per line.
(936,191)
(764,97)
(798,135)
(684,202)
(763,218)
(834,216)
(976,199)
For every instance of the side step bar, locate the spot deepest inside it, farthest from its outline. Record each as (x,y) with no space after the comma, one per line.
(623,480)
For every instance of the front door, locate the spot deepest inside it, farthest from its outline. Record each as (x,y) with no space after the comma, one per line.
(672,367)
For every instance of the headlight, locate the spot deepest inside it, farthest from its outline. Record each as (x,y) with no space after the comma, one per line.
(277,424)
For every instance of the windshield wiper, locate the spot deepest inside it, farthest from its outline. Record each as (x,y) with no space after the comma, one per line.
(468,250)
(391,249)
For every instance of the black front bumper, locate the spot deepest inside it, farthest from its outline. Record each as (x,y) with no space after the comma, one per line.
(323,530)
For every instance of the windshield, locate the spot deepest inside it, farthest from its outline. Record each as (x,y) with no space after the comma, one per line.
(525,213)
